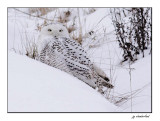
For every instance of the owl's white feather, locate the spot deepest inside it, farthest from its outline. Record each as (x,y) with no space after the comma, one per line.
(57,49)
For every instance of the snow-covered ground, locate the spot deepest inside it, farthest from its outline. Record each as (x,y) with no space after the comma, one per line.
(33,86)
(37,87)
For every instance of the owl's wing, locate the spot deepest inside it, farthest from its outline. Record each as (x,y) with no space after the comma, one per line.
(76,52)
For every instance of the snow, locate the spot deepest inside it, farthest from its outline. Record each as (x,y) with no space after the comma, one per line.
(37,87)
(140,84)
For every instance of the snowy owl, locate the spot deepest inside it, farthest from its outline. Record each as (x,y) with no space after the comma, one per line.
(57,49)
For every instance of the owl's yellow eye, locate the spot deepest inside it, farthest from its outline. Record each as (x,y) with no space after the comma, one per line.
(49,30)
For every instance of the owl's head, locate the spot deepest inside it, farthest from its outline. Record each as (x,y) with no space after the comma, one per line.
(49,31)
(54,30)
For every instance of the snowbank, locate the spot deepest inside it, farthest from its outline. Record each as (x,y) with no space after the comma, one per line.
(36,87)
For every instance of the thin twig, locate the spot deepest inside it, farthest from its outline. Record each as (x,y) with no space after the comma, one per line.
(130,83)
(32,15)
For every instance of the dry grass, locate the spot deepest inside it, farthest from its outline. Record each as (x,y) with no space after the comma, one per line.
(29,44)
(64,16)
(40,11)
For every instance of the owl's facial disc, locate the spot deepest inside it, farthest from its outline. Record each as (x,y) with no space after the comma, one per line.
(55,30)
